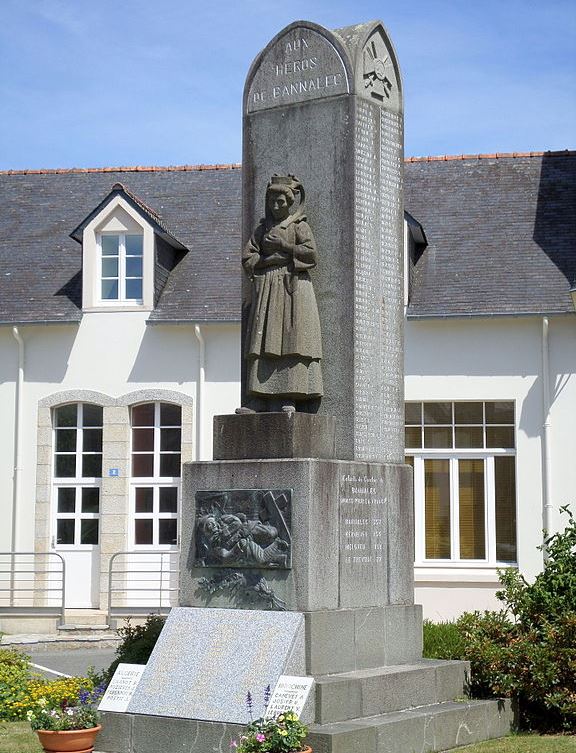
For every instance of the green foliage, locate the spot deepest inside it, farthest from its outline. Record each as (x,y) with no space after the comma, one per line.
(284,734)
(137,643)
(14,668)
(531,657)
(442,640)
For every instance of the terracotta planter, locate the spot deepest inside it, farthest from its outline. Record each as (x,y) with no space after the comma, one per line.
(307,749)
(69,740)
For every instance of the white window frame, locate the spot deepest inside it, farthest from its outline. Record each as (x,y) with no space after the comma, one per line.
(489,506)
(421,454)
(155,482)
(116,218)
(77,482)
(122,298)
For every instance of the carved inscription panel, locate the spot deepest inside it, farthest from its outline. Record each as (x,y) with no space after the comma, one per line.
(378,285)
(243,528)
(363,536)
(302,65)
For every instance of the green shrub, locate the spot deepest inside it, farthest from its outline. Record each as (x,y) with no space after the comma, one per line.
(443,640)
(137,642)
(14,668)
(528,650)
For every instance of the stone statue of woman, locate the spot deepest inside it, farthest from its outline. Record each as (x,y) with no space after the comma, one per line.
(283,345)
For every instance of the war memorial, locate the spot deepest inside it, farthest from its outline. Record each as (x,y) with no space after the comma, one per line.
(297,538)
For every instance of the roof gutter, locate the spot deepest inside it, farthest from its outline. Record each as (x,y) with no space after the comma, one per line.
(200,392)
(16,483)
(546,455)
(192,322)
(494,315)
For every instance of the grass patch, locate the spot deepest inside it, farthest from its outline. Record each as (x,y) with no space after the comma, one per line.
(17,737)
(443,640)
(524,744)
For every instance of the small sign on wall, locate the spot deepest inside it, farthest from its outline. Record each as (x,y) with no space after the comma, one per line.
(113,471)
(290,694)
(122,687)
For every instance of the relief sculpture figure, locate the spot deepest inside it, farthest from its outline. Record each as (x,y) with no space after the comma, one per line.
(283,347)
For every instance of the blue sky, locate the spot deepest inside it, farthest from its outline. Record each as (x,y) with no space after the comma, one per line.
(135,82)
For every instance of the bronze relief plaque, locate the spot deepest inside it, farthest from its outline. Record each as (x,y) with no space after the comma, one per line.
(238,528)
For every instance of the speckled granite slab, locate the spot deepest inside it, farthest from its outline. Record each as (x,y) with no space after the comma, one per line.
(206,660)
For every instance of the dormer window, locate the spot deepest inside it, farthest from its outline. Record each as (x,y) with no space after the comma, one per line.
(121,267)
(127,254)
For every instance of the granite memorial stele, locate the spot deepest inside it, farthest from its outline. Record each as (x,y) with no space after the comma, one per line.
(297,539)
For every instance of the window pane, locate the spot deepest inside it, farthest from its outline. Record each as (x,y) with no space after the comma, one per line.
(413,413)
(66,415)
(143,440)
(468,413)
(168,499)
(500,436)
(133,266)
(499,413)
(413,436)
(65,531)
(143,531)
(65,440)
(67,500)
(437,413)
(170,439)
(109,290)
(110,267)
(143,415)
(170,465)
(134,245)
(170,415)
(89,531)
(65,466)
(91,466)
(90,500)
(471,511)
(437,508)
(91,415)
(133,289)
(168,531)
(109,245)
(144,499)
(436,436)
(505,493)
(142,466)
(469,436)
(92,440)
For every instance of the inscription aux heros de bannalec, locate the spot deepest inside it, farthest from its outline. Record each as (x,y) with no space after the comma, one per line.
(300,73)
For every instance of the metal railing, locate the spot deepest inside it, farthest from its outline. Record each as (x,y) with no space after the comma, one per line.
(32,583)
(148,581)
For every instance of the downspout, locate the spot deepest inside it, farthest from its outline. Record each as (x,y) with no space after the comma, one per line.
(546,460)
(16,480)
(200,392)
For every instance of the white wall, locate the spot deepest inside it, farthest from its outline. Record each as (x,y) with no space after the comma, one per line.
(499,359)
(113,353)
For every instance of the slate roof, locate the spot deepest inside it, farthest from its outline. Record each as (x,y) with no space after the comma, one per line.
(40,264)
(501,232)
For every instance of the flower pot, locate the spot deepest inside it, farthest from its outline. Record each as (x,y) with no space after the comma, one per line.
(69,740)
(307,749)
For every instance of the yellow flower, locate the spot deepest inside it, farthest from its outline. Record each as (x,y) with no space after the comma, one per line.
(282,732)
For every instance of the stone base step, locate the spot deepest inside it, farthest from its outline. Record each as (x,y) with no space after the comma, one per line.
(369,692)
(427,729)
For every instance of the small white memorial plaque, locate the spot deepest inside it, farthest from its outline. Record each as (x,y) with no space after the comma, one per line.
(122,687)
(290,694)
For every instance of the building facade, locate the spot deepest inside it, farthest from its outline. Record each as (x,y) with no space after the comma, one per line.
(120,340)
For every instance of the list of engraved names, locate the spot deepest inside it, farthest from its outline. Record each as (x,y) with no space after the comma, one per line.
(362,520)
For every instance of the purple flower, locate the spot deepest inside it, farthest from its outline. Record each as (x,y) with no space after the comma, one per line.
(233,744)
(267,694)
(249,703)
(260,737)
